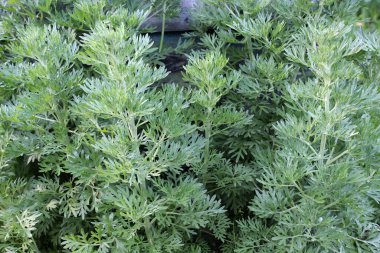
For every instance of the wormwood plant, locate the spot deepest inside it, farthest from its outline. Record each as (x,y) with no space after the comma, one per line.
(270,143)
(92,158)
(208,72)
(307,75)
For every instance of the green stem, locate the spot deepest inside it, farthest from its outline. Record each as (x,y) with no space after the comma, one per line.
(147,222)
(208,130)
(157,146)
(148,232)
(143,188)
(322,149)
(249,41)
(330,161)
(132,129)
(163,27)
(320,8)
(207,147)
(250,48)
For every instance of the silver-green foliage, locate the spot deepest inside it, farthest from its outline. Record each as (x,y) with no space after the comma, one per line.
(271,146)
(309,70)
(92,155)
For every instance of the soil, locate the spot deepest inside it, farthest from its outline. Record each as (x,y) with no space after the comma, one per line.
(174,64)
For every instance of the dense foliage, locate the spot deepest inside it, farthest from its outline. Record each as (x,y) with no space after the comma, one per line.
(270,141)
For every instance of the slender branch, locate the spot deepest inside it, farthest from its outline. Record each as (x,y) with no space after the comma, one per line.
(330,161)
(208,129)
(163,27)
(322,149)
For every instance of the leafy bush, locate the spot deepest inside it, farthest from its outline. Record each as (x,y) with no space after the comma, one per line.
(270,142)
